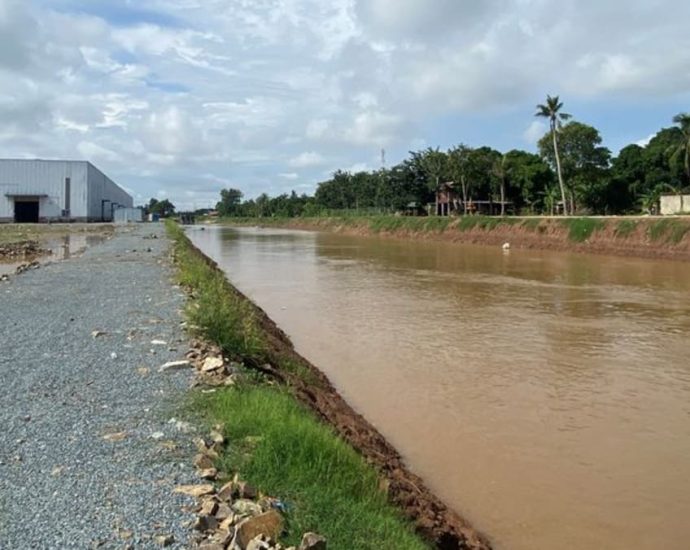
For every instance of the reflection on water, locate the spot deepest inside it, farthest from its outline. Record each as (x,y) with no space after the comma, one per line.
(62,248)
(545,396)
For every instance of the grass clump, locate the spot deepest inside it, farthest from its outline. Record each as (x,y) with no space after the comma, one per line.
(658,229)
(581,229)
(327,487)
(674,230)
(678,231)
(389,224)
(487,223)
(624,228)
(531,224)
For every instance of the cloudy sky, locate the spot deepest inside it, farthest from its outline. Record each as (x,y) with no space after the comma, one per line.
(180,98)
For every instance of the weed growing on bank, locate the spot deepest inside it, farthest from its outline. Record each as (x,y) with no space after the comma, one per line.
(277,444)
(624,228)
(673,230)
(531,224)
(581,229)
(324,484)
(223,318)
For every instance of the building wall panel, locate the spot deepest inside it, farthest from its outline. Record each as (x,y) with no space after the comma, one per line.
(87,195)
(104,196)
(45,179)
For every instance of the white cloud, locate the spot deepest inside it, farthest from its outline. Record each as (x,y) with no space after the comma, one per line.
(95,152)
(535,131)
(257,92)
(644,141)
(358,167)
(317,128)
(374,128)
(306,160)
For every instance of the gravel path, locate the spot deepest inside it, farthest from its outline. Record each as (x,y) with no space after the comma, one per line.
(63,483)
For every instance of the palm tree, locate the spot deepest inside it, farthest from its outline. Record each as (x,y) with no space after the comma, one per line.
(683,120)
(552,110)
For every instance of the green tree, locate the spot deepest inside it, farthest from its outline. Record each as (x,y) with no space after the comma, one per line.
(584,163)
(433,163)
(627,184)
(552,111)
(163,208)
(529,177)
(459,170)
(683,149)
(662,164)
(481,165)
(683,122)
(230,201)
(500,172)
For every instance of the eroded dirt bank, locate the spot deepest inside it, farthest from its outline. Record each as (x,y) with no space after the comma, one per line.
(644,237)
(431,516)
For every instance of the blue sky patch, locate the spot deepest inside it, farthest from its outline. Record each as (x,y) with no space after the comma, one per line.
(116,13)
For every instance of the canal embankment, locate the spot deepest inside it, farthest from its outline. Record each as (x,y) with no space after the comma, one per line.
(297,437)
(639,237)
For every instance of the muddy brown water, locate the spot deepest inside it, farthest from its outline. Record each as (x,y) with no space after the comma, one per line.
(545,396)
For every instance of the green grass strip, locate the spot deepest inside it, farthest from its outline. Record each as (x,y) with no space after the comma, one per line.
(327,488)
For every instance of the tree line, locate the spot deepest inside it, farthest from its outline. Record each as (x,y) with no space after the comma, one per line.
(572,173)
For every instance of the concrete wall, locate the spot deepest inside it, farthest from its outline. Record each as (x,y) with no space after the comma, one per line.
(102,188)
(670,204)
(46,181)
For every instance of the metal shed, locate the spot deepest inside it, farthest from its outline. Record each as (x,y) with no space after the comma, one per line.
(34,191)
(128,215)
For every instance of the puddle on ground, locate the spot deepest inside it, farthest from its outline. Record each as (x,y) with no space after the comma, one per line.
(62,248)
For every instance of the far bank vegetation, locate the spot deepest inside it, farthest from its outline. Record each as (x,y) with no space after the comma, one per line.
(572,173)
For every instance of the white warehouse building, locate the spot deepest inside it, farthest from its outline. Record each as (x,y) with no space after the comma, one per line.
(33,191)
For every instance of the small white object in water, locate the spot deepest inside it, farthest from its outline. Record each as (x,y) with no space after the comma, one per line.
(506,246)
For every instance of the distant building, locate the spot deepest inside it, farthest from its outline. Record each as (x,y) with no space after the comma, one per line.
(449,202)
(447,199)
(671,204)
(33,191)
(123,215)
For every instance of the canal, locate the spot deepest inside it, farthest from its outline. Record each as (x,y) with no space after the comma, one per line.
(544,396)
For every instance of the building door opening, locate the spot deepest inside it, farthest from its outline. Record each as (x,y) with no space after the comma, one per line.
(26,211)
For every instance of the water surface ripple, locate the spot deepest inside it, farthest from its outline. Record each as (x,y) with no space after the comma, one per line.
(545,396)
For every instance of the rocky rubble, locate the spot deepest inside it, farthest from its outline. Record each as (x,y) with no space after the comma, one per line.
(212,368)
(22,249)
(235,515)
(25,267)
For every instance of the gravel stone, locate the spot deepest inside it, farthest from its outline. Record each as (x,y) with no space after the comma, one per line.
(63,483)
